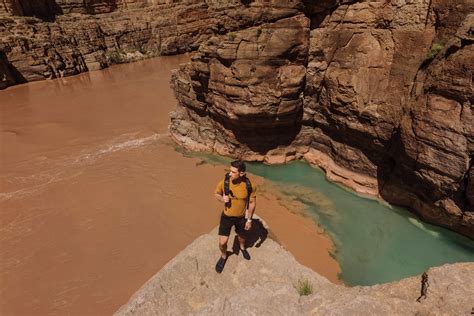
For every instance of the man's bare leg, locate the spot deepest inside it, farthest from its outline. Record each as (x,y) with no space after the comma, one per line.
(241,242)
(223,245)
(244,251)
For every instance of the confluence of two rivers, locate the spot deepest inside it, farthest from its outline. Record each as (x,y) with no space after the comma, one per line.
(94,199)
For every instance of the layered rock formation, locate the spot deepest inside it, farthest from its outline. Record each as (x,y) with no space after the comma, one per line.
(244,89)
(49,9)
(132,29)
(378,93)
(382,100)
(267,285)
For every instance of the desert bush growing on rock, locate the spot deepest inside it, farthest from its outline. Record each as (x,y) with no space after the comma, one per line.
(434,50)
(304,287)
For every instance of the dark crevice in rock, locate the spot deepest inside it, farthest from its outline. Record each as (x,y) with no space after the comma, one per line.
(9,74)
(202,88)
(448,94)
(46,10)
(451,50)
(465,42)
(428,12)
(424,287)
(317,11)
(457,47)
(392,148)
(467,185)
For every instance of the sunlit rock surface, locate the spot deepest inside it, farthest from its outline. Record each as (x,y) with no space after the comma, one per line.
(50,39)
(386,101)
(267,284)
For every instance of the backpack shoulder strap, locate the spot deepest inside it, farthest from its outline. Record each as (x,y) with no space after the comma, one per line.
(226,184)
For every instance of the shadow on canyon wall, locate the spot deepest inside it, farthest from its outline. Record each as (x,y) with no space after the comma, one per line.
(46,10)
(9,74)
(262,134)
(399,177)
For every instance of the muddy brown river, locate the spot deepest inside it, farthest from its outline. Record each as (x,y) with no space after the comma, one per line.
(94,198)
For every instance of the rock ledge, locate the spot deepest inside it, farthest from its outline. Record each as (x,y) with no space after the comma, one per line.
(188,284)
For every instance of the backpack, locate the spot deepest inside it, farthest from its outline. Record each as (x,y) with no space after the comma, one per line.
(247,183)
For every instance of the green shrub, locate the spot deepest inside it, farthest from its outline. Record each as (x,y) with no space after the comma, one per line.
(115,57)
(231,36)
(304,287)
(434,50)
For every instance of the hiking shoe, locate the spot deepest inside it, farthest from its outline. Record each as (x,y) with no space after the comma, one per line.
(220,264)
(245,254)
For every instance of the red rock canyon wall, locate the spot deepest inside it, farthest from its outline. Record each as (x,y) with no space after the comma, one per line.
(377,93)
(382,100)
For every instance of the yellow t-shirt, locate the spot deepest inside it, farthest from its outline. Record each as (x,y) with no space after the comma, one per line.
(237,196)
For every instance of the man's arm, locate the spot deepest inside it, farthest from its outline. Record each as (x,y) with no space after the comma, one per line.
(219,193)
(221,198)
(251,209)
(252,205)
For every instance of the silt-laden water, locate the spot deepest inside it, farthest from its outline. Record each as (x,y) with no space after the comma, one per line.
(375,243)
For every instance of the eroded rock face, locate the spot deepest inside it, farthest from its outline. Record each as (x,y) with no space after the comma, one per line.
(438,138)
(76,43)
(362,60)
(243,82)
(379,114)
(49,9)
(267,285)
(364,113)
(43,9)
(350,86)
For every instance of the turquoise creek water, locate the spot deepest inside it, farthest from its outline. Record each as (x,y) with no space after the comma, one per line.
(375,243)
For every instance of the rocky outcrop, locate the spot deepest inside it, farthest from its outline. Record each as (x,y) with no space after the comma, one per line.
(437,138)
(267,285)
(243,82)
(380,102)
(132,30)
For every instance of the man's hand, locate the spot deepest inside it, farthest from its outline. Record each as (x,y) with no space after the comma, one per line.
(222,198)
(248,225)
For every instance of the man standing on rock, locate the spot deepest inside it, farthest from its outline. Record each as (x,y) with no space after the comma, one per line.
(239,198)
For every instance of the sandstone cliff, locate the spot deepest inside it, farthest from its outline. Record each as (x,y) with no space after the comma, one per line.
(267,285)
(378,93)
(50,39)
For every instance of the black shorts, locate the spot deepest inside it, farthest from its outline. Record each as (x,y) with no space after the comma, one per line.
(227,222)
